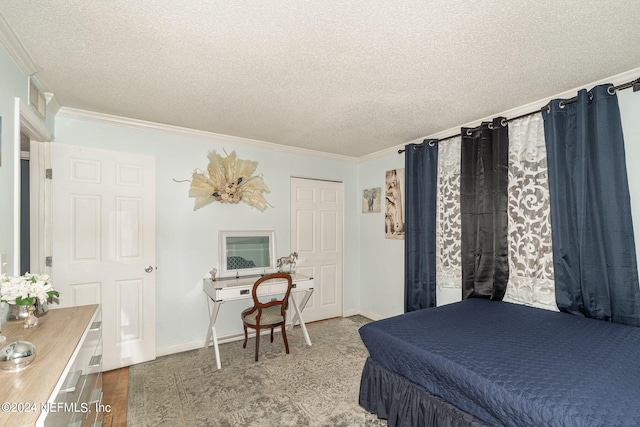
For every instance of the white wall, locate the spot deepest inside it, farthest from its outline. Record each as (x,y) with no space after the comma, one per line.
(187,245)
(13,83)
(381,260)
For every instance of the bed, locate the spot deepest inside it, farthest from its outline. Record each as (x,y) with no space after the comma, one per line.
(480,362)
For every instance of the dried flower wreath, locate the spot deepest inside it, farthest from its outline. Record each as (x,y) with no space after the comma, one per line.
(228,180)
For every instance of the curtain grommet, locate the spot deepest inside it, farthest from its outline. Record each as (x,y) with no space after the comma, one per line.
(611,90)
(561,105)
(432,143)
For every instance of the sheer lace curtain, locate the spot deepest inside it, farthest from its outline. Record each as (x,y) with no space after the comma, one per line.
(530,253)
(448,229)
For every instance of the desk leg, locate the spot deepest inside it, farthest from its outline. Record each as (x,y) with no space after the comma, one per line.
(211,332)
(298,314)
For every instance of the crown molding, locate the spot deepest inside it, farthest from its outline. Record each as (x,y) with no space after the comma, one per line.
(33,124)
(73,113)
(17,51)
(52,103)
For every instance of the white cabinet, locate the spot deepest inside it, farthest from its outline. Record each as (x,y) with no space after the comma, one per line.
(63,385)
(77,397)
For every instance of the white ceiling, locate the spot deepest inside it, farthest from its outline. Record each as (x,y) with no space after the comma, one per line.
(344,77)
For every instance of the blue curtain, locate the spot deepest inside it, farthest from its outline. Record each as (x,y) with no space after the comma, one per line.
(421,188)
(594,253)
(484,176)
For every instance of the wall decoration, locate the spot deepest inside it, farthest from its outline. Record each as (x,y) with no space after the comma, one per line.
(371,200)
(394,204)
(228,180)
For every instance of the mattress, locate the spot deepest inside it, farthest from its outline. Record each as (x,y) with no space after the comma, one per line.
(509,364)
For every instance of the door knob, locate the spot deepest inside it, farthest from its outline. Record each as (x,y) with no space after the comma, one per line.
(148,269)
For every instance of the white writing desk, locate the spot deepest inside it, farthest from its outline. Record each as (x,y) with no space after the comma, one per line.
(223,290)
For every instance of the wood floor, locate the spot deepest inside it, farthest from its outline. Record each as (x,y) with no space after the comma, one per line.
(115,389)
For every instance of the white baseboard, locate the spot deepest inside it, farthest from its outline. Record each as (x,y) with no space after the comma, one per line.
(349,313)
(361,312)
(193,345)
(179,348)
(370,315)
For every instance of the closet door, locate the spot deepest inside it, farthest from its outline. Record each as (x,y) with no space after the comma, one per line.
(317,235)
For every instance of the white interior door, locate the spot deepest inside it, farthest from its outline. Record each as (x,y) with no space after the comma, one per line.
(103,239)
(317,235)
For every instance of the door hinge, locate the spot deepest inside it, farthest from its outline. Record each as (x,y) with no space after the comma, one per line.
(48,173)
(48,261)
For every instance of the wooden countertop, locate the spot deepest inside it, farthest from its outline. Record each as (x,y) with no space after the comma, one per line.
(56,337)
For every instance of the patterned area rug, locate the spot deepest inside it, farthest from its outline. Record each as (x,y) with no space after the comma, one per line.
(311,386)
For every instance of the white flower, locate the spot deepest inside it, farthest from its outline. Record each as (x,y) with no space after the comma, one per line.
(26,289)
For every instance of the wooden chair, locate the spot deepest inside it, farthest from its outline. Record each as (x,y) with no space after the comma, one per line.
(267,314)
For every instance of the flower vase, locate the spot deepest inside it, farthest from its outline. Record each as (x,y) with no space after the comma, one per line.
(31,320)
(20,312)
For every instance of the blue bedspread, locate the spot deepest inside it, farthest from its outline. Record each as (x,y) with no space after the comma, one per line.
(513,365)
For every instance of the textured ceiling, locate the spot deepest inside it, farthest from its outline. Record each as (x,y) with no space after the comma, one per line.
(344,77)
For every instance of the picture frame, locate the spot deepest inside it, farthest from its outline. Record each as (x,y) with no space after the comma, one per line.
(394,204)
(372,200)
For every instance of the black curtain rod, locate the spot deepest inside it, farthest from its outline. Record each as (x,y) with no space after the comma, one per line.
(635,84)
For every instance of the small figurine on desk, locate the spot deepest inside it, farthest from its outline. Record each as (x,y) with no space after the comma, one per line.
(291,260)
(213,272)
